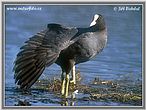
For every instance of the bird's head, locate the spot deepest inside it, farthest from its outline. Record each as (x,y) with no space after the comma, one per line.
(98,22)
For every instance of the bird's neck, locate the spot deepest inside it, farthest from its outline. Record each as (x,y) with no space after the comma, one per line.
(93,29)
(97,28)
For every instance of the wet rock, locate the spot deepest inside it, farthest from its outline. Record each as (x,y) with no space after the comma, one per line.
(98,81)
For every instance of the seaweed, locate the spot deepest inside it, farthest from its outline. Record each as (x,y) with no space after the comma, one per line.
(97,90)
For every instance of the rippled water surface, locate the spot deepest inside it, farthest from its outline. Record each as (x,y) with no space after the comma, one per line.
(122,55)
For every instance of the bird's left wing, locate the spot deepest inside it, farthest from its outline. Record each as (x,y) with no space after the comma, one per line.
(40,51)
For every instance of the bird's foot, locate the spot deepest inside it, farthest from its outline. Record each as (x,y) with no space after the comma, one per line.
(72,82)
(64,96)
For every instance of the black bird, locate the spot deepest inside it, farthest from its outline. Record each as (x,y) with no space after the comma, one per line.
(65,46)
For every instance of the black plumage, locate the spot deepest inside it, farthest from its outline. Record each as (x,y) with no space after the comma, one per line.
(65,46)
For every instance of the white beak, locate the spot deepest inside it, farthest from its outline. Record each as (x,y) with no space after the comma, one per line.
(96,16)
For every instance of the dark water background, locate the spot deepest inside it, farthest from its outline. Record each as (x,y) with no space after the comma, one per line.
(122,55)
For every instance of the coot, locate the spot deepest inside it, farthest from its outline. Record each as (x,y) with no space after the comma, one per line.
(65,46)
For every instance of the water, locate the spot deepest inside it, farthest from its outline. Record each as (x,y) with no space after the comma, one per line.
(122,55)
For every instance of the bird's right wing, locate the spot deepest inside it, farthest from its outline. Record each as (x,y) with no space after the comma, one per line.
(40,51)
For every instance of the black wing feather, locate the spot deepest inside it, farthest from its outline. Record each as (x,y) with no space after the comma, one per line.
(40,51)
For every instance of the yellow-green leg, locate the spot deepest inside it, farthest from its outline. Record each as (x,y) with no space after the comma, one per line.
(63,87)
(67,85)
(63,84)
(65,81)
(73,72)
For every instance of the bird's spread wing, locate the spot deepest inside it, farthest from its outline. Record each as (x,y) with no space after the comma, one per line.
(40,51)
